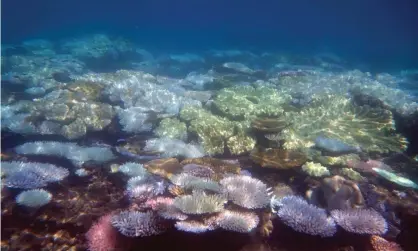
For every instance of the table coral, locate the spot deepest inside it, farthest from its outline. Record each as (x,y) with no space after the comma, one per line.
(336,117)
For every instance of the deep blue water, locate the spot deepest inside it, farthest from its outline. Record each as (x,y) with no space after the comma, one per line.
(383,33)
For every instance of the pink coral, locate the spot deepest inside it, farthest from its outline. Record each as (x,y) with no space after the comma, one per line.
(102,236)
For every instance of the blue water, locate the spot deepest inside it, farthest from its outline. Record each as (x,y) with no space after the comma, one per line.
(380,32)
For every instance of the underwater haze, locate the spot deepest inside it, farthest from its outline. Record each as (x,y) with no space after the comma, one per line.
(381,32)
(209,125)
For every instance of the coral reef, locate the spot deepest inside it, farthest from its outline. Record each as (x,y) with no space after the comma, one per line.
(245,102)
(360,221)
(34,198)
(246,191)
(336,117)
(303,217)
(134,224)
(315,169)
(171,128)
(277,158)
(200,203)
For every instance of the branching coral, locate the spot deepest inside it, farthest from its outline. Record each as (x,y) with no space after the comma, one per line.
(242,222)
(214,132)
(305,218)
(336,117)
(246,191)
(200,203)
(360,221)
(245,102)
(29,175)
(171,128)
(134,224)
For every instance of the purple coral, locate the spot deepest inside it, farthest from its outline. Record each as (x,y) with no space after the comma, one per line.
(141,189)
(29,175)
(134,224)
(296,213)
(242,222)
(360,221)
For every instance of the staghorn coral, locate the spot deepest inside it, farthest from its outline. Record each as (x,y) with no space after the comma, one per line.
(101,235)
(164,206)
(246,102)
(29,175)
(242,222)
(141,188)
(200,203)
(296,213)
(315,169)
(360,221)
(336,117)
(34,198)
(171,128)
(135,224)
(246,191)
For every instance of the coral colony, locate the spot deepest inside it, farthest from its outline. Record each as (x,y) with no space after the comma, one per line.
(127,159)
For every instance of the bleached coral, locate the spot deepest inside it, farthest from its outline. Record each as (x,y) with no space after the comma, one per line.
(172,147)
(29,175)
(75,153)
(246,191)
(34,198)
(191,182)
(242,222)
(200,203)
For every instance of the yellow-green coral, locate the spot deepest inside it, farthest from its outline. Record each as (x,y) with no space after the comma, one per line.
(353,175)
(315,169)
(246,102)
(336,160)
(172,128)
(240,143)
(212,130)
(336,117)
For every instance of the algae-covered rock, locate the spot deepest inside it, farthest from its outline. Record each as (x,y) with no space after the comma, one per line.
(245,102)
(172,128)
